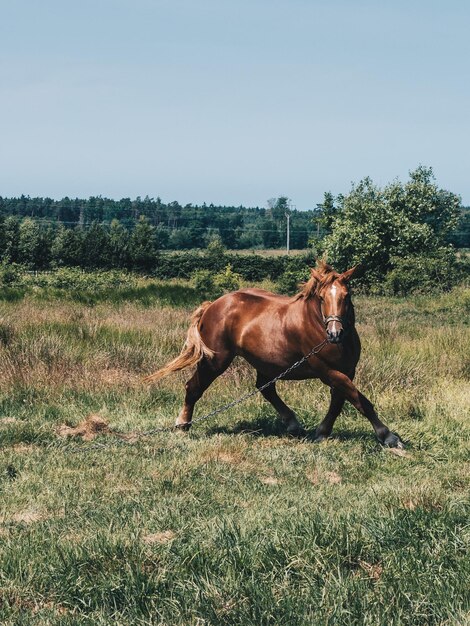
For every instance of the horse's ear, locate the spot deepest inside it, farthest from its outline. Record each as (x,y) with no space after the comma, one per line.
(315,274)
(348,274)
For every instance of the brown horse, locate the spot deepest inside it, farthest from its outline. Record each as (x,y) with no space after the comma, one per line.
(272,332)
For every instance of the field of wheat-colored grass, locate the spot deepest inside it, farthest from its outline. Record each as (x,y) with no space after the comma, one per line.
(234,523)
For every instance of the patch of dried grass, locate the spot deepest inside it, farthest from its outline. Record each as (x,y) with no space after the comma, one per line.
(333,478)
(162,537)
(118,377)
(316,477)
(31,516)
(312,476)
(397,452)
(93,426)
(7,420)
(235,458)
(373,570)
(34,606)
(24,447)
(88,429)
(269,480)
(27,516)
(426,503)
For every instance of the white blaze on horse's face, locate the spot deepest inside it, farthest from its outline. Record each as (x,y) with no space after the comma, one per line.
(334,324)
(334,310)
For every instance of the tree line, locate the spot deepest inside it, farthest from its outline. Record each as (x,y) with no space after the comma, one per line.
(37,246)
(407,228)
(175,227)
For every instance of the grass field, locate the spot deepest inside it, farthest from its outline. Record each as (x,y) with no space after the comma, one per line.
(235,523)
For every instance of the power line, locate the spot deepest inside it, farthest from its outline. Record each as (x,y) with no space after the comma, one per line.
(189,227)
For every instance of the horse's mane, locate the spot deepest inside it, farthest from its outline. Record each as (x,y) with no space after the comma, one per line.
(312,286)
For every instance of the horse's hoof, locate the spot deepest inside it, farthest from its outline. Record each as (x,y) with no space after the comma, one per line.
(318,438)
(393,441)
(296,431)
(184,428)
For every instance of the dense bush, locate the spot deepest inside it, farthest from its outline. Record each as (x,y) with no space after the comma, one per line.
(209,285)
(228,280)
(251,267)
(376,227)
(11,274)
(419,273)
(75,279)
(203,282)
(291,279)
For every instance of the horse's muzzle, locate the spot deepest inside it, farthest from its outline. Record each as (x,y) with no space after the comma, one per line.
(335,336)
(334,328)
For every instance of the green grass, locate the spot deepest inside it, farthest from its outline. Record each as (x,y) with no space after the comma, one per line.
(234,523)
(139,290)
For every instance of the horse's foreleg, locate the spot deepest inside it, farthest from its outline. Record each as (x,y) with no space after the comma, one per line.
(286,414)
(205,374)
(325,427)
(344,385)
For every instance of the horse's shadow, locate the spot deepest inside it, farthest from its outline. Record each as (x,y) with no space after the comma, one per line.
(260,427)
(268,427)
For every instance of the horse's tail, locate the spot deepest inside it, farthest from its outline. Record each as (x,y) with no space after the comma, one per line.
(193,351)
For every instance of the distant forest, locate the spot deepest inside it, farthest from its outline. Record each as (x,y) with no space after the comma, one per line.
(176,227)
(101,233)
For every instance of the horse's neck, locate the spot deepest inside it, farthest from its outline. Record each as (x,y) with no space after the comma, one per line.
(313,309)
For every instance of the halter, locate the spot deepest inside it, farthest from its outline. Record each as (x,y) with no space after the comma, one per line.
(333,318)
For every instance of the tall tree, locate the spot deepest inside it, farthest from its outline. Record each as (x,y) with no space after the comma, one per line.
(142,245)
(118,246)
(278,207)
(66,249)
(33,244)
(326,212)
(11,237)
(270,234)
(95,246)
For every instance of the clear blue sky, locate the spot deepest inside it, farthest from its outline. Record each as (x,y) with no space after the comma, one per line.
(231,102)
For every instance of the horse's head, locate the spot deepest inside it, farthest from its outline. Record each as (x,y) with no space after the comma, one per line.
(333,292)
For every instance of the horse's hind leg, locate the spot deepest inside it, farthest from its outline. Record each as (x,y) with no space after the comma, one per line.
(325,427)
(205,374)
(286,414)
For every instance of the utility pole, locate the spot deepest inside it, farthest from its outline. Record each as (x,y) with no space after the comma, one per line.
(288,232)
(289,209)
